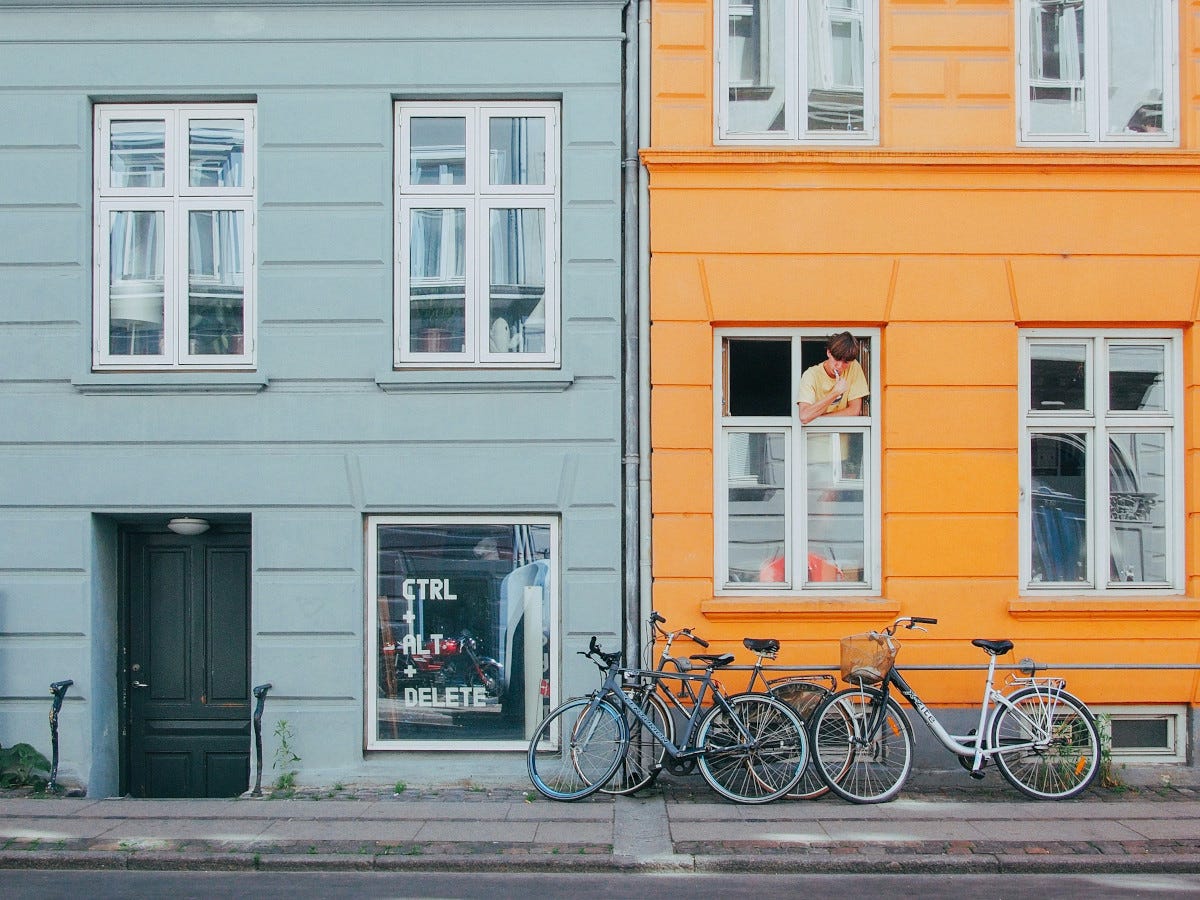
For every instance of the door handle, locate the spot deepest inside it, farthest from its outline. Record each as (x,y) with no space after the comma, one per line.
(138,684)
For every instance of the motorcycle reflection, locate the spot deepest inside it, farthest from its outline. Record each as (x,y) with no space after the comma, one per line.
(452,662)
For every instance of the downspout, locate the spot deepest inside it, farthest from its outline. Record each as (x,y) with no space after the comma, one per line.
(643,137)
(631,339)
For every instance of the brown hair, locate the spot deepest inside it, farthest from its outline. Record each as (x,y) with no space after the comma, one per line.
(842,347)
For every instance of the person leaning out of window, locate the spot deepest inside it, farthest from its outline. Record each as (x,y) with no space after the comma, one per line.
(835,387)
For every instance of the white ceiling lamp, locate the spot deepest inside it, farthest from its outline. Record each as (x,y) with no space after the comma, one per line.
(188,525)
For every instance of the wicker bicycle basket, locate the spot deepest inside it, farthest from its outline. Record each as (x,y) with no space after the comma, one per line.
(867,657)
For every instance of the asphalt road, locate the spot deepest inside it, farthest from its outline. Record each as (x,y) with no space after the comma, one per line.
(111,885)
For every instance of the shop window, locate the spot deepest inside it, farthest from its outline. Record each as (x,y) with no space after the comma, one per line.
(1098,71)
(797,505)
(174,232)
(462,645)
(797,72)
(1101,462)
(477,234)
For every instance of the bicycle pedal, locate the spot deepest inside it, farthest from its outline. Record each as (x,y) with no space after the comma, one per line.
(978,776)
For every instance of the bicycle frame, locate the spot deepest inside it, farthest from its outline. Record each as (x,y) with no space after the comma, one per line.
(977,747)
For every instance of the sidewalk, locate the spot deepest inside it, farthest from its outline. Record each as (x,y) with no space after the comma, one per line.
(678,826)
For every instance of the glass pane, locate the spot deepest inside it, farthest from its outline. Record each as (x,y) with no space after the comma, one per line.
(1057,377)
(836,514)
(756,73)
(463,615)
(437,150)
(216,150)
(216,282)
(1057,52)
(1135,67)
(1142,734)
(138,154)
(1136,378)
(758,377)
(836,65)
(1059,501)
(757,494)
(517,284)
(1137,478)
(517,151)
(437,287)
(136,241)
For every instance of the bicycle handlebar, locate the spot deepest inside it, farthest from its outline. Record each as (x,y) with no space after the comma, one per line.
(657,620)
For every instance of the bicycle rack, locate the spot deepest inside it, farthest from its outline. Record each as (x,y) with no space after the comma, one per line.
(260,694)
(59,690)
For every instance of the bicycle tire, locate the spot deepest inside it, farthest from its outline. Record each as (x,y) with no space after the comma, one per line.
(805,698)
(872,767)
(769,769)
(644,759)
(1065,756)
(577,749)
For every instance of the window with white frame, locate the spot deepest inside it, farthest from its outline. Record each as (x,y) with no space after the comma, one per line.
(1102,462)
(797,505)
(1144,734)
(174,236)
(462,640)
(797,71)
(477,234)
(1098,71)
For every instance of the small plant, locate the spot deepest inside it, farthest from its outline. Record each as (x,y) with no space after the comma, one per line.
(21,765)
(1109,776)
(401,787)
(285,756)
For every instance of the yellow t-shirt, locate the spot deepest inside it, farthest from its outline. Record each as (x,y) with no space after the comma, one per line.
(815,383)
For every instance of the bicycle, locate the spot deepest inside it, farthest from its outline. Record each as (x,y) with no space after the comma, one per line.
(804,694)
(1043,740)
(750,748)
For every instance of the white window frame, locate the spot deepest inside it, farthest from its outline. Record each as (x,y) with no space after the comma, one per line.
(794,584)
(796,78)
(1097,423)
(478,198)
(1175,750)
(371,643)
(176,199)
(1095,82)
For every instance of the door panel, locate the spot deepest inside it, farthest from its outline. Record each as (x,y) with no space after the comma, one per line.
(188,676)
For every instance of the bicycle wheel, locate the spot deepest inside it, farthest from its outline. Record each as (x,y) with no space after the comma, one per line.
(805,698)
(644,760)
(576,749)
(859,766)
(1054,745)
(757,754)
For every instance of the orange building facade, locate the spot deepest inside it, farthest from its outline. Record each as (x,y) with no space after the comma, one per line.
(1006,219)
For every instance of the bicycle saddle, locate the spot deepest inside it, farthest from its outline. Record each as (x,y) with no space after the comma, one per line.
(996,648)
(716,660)
(761,645)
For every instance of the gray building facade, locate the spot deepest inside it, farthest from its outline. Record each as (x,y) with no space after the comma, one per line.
(310,376)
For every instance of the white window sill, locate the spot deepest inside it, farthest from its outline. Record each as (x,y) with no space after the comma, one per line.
(469,380)
(800,608)
(179,382)
(1136,607)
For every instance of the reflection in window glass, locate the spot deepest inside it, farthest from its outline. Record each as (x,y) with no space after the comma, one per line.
(138,153)
(438,150)
(463,620)
(1135,378)
(216,148)
(1059,494)
(1057,377)
(136,243)
(757,498)
(216,282)
(517,300)
(1137,467)
(437,280)
(836,65)
(1057,52)
(517,150)
(757,75)
(1135,67)
(836,515)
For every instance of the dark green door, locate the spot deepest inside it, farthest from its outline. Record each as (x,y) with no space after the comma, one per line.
(188,666)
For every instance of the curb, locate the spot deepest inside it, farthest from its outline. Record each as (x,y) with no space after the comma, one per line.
(881,863)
